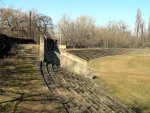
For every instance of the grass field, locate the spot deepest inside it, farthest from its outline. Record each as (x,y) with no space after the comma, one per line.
(126,77)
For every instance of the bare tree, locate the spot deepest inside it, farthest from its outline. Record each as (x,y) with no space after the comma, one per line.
(15,23)
(138,23)
(148,34)
(82,32)
(64,28)
(44,24)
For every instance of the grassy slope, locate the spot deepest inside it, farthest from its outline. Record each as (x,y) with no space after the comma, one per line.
(126,77)
(22,89)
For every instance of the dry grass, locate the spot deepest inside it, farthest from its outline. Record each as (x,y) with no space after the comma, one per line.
(22,89)
(126,77)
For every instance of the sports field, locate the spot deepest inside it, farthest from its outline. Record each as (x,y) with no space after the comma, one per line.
(126,77)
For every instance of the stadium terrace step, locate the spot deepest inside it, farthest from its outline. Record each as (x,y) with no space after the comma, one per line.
(85,93)
(76,93)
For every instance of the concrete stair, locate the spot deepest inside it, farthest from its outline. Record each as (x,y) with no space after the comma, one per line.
(76,93)
(80,94)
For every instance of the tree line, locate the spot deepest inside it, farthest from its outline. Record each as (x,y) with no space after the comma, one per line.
(27,25)
(81,32)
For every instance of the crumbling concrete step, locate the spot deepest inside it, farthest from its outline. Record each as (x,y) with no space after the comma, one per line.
(79,93)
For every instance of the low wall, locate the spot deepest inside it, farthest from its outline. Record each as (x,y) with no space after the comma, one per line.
(74,64)
(6,44)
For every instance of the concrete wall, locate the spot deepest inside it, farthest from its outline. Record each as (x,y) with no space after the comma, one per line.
(74,64)
(64,59)
(42,48)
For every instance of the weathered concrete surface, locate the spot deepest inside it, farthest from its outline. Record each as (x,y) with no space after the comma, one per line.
(42,48)
(78,93)
(50,52)
(74,64)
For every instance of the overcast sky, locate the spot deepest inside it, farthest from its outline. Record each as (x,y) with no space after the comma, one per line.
(102,10)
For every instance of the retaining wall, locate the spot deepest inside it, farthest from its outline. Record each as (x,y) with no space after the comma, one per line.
(66,60)
(74,63)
